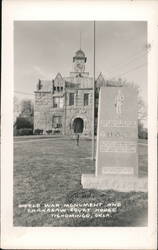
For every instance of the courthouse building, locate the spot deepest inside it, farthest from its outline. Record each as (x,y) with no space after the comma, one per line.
(64,104)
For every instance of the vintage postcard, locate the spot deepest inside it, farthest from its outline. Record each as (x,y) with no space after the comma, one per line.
(81,142)
(54,124)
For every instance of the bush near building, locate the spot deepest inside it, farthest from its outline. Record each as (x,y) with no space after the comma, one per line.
(22,122)
(38,131)
(25,131)
(142,132)
(23,126)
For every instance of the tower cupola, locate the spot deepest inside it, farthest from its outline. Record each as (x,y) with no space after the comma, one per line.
(79,61)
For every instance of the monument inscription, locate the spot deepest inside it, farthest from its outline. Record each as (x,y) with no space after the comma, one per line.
(117,132)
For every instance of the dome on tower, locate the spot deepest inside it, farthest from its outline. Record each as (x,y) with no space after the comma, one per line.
(79,55)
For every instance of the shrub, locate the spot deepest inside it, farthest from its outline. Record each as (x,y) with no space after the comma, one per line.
(143,135)
(142,132)
(25,131)
(38,131)
(49,132)
(24,123)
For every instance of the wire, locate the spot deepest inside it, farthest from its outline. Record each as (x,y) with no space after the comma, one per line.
(124,73)
(138,67)
(117,66)
(136,57)
(140,51)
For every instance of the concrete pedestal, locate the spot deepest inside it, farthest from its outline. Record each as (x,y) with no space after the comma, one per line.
(123,183)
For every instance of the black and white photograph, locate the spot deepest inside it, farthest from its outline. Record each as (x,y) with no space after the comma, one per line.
(80,123)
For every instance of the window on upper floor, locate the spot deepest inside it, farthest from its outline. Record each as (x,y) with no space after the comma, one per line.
(86,99)
(58,88)
(61,102)
(71,99)
(55,102)
(58,102)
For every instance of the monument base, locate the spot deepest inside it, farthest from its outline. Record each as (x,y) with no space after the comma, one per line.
(121,183)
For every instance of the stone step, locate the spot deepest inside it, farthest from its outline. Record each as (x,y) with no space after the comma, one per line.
(123,183)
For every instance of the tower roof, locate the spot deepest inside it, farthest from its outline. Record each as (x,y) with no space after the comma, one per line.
(79,55)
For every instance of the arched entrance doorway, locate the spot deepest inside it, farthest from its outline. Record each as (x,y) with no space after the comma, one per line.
(78,125)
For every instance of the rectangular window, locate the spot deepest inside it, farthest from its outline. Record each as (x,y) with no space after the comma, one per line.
(57,121)
(55,102)
(58,88)
(58,102)
(71,99)
(61,102)
(86,99)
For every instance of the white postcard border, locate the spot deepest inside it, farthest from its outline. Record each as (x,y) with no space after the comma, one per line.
(78,238)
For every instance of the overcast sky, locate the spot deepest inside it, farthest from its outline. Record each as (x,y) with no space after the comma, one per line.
(44,48)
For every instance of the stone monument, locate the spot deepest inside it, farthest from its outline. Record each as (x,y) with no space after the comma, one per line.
(117,146)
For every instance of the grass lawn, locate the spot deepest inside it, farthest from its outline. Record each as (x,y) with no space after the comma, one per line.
(49,172)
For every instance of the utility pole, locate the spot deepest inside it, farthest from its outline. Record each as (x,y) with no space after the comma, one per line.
(93,104)
(80,39)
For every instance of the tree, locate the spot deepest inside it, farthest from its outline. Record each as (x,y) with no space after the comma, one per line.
(24,114)
(142,109)
(142,132)
(16,108)
(26,108)
(22,122)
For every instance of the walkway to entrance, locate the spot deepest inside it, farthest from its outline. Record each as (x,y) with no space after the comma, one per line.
(78,125)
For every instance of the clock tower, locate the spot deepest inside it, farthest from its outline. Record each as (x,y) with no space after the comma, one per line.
(79,61)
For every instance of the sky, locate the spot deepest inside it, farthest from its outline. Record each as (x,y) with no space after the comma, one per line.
(44,48)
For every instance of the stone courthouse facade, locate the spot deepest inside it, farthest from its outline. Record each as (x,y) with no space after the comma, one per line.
(64,104)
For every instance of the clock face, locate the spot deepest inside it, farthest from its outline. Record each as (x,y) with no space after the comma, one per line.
(79,66)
